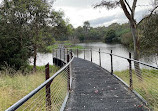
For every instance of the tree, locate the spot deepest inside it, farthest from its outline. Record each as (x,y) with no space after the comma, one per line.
(26,26)
(86,26)
(14,40)
(38,14)
(110,36)
(149,33)
(129,11)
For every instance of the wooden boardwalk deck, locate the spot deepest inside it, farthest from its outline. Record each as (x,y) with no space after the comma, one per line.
(95,89)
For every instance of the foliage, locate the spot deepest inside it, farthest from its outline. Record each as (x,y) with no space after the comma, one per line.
(126,39)
(14,43)
(149,35)
(100,33)
(110,36)
(25,28)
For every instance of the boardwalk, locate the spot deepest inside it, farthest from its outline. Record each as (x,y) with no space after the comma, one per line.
(94,89)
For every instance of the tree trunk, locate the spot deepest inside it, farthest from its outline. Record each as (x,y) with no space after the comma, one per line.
(136,51)
(35,58)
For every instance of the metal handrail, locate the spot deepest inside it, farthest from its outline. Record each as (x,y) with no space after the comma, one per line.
(121,57)
(28,96)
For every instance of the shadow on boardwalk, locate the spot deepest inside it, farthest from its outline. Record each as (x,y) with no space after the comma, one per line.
(95,89)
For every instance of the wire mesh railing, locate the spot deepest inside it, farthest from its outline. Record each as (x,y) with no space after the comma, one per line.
(52,94)
(140,77)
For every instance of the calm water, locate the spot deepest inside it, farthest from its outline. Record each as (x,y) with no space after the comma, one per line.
(118,49)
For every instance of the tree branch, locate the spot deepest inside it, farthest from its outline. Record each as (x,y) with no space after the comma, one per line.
(109,5)
(128,6)
(148,15)
(125,10)
(134,7)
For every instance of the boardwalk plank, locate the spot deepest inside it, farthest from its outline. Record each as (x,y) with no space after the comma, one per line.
(95,89)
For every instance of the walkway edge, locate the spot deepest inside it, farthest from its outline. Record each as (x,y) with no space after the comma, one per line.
(133,91)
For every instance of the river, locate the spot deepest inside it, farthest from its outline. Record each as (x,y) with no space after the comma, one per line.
(118,49)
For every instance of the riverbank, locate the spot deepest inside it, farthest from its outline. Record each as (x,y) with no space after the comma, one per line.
(66,44)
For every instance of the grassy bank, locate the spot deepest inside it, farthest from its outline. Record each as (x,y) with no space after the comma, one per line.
(13,88)
(147,87)
(67,44)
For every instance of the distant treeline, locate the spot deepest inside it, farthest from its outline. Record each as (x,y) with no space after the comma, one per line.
(118,33)
(121,33)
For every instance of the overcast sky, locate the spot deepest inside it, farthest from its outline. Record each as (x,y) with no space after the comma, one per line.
(78,11)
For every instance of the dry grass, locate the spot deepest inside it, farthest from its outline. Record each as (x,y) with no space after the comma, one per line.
(13,88)
(147,88)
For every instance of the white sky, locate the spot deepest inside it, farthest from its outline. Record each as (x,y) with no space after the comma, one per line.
(78,11)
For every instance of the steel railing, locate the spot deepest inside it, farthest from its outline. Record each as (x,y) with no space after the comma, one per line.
(51,94)
(139,77)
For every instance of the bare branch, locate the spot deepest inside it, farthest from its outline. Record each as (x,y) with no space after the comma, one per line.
(128,6)
(152,11)
(109,5)
(125,10)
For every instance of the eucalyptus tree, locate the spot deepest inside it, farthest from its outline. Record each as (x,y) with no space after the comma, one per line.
(38,11)
(15,45)
(149,33)
(129,11)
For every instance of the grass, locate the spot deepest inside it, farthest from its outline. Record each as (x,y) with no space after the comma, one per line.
(147,87)
(13,88)
(67,44)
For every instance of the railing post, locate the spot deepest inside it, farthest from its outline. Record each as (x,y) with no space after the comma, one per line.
(53,53)
(77,52)
(84,53)
(111,63)
(91,54)
(68,73)
(64,54)
(71,53)
(60,53)
(48,92)
(130,72)
(56,53)
(99,58)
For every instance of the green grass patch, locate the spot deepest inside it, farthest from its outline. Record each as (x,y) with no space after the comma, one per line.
(147,87)
(66,44)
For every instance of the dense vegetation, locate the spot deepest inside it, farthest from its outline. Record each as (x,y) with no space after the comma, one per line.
(114,33)
(25,27)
